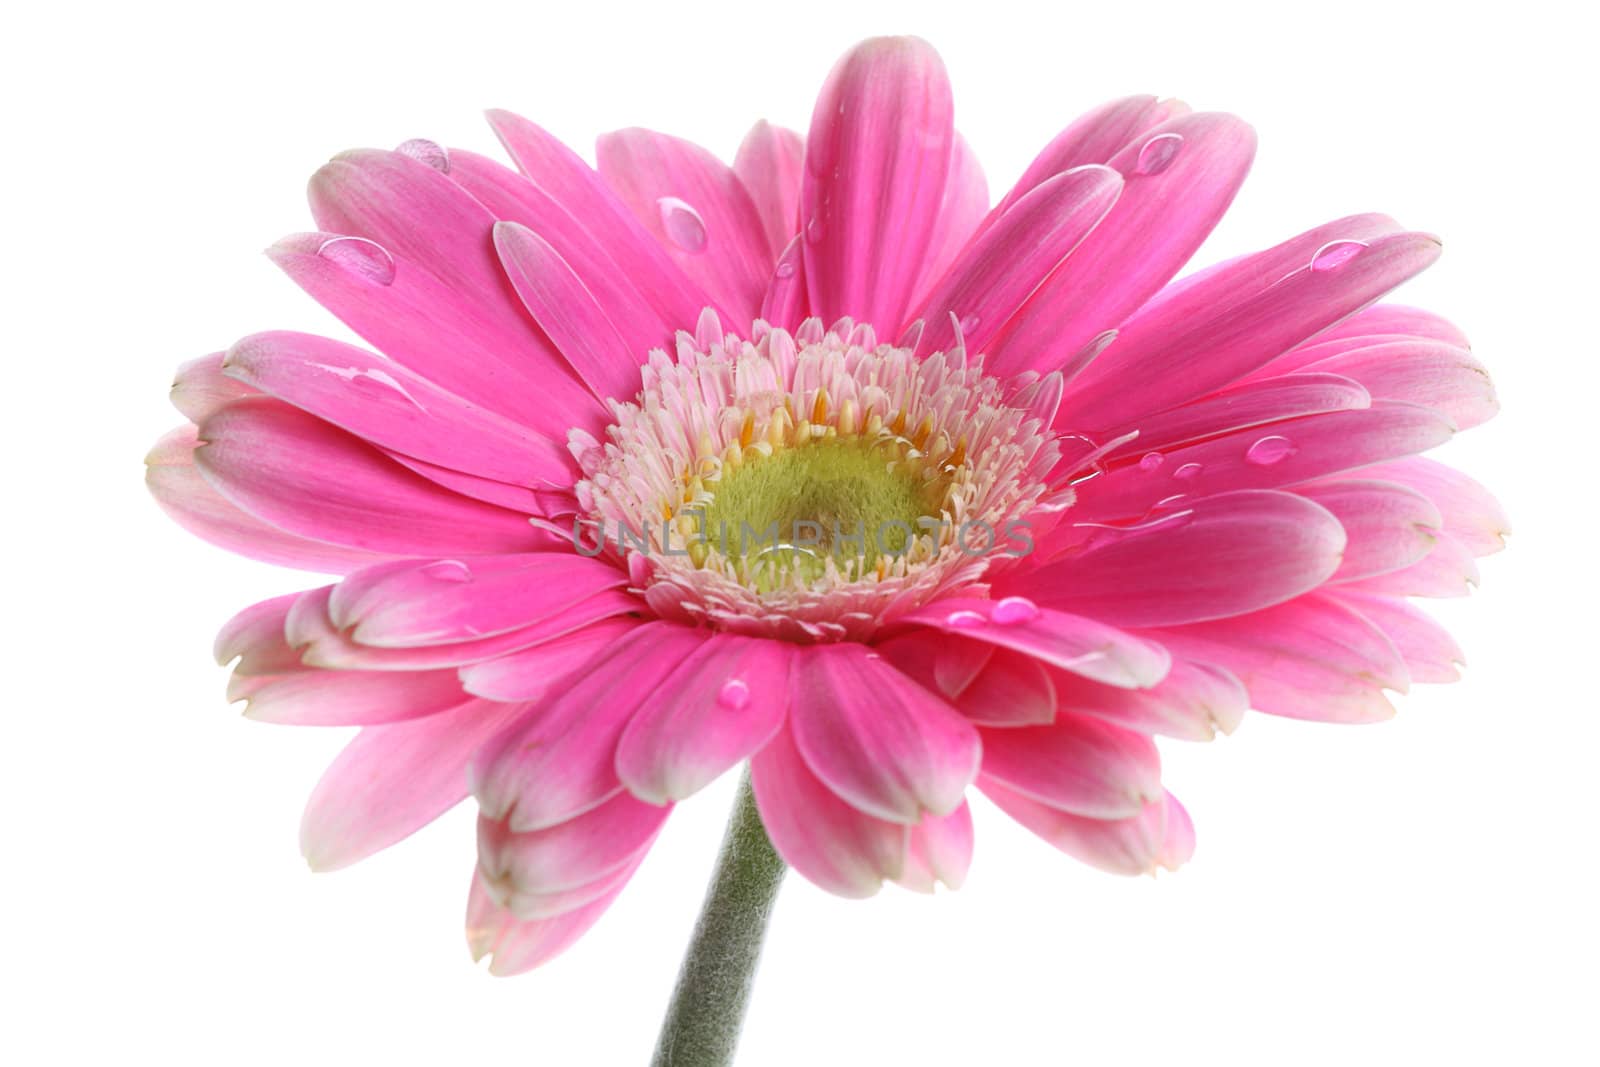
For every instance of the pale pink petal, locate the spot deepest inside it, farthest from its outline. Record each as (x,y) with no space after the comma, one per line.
(1181,176)
(1159,836)
(877,158)
(1284,454)
(560,761)
(1471,514)
(519,945)
(394,779)
(1224,555)
(1011,690)
(255,637)
(1079,764)
(295,471)
(387,405)
(830,843)
(1448,570)
(201,388)
(994,275)
(722,704)
(1431,373)
(883,743)
(1071,642)
(1397,320)
(567,312)
(769,162)
(346,698)
(940,850)
(1431,654)
(1194,702)
(1312,658)
(190,500)
(1389,526)
(534,673)
(587,849)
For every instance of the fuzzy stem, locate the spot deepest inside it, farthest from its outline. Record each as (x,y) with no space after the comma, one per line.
(707,1009)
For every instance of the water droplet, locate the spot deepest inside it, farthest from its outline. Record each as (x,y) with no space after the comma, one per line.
(1270,450)
(1187,471)
(814,229)
(426,151)
(1158,153)
(965,620)
(685,228)
(448,570)
(785,268)
(969,323)
(734,695)
(1336,254)
(1014,609)
(1151,461)
(365,259)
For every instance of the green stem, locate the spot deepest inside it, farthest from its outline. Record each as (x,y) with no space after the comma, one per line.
(707,1009)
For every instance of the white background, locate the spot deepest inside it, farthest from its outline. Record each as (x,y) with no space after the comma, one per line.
(1418,892)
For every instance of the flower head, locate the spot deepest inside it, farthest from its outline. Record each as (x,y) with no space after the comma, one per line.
(821,462)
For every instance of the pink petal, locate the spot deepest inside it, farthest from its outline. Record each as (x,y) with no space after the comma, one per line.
(937,661)
(1295,451)
(560,762)
(1388,525)
(697,208)
(1224,555)
(1431,654)
(883,743)
(516,497)
(255,637)
(1448,570)
(1431,373)
(830,843)
(392,780)
(189,500)
(385,404)
(558,171)
(299,473)
(567,312)
(877,159)
(519,945)
(1082,646)
(966,202)
(719,707)
(769,163)
(1011,690)
(347,698)
(995,274)
(1160,835)
(1194,702)
(426,222)
(1168,206)
(940,850)
(535,672)
(1079,764)
(1218,329)
(201,388)
(1395,320)
(1312,658)
(1471,514)
(580,852)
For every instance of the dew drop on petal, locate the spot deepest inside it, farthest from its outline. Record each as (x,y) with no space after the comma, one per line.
(1270,450)
(814,230)
(734,695)
(1187,471)
(426,151)
(969,323)
(785,267)
(1014,609)
(365,259)
(1336,254)
(965,620)
(1158,153)
(1151,461)
(448,570)
(685,228)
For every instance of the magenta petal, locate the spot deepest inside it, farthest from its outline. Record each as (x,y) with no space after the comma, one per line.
(560,761)
(940,850)
(392,780)
(1389,526)
(305,476)
(1194,702)
(1159,835)
(722,704)
(966,202)
(938,662)
(885,744)
(535,672)
(517,868)
(877,158)
(1078,764)
(769,163)
(1225,555)
(830,843)
(1011,690)
(388,405)
(696,208)
(1071,642)
(995,274)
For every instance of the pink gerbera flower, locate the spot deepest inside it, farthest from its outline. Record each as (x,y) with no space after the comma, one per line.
(821,462)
